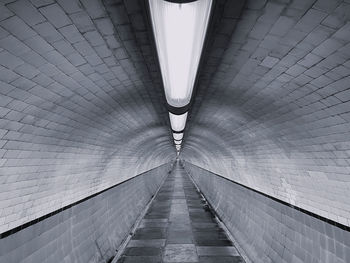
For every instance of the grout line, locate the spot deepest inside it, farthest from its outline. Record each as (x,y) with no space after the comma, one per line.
(239,249)
(120,250)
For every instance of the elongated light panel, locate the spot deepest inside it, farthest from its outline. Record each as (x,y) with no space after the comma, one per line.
(178,122)
(179,31)
(177,142)
(178,136)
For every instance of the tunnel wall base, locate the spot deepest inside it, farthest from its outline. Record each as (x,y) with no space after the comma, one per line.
(268,230)
(89,231)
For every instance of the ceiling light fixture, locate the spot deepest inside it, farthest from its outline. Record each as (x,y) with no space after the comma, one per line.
(178,122)
(178,136)
(179,29)
(177,142)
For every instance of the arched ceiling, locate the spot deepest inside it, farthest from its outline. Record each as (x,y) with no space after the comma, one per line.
(82,106)
(272,105)
(81,103)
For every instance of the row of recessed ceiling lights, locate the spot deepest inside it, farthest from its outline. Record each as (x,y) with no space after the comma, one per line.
(179,28)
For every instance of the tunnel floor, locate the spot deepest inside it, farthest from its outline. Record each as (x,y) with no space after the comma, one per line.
(178,227)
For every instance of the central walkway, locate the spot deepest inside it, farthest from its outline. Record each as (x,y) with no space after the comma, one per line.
(178,227)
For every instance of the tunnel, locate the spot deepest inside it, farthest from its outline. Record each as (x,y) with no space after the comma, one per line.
(162,131)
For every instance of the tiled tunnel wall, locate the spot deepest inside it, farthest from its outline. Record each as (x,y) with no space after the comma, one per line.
(268,230)
(81,106)
(272,109)
(89,231)
(79,111)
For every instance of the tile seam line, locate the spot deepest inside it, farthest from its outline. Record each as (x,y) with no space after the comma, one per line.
(46,216)
(302,210)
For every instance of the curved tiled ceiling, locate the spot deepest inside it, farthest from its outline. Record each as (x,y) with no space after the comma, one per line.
(272,106)
(81,103)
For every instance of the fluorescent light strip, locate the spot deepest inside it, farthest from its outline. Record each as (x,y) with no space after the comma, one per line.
(178,122)
(178,136)
(179,31)
(177,142)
